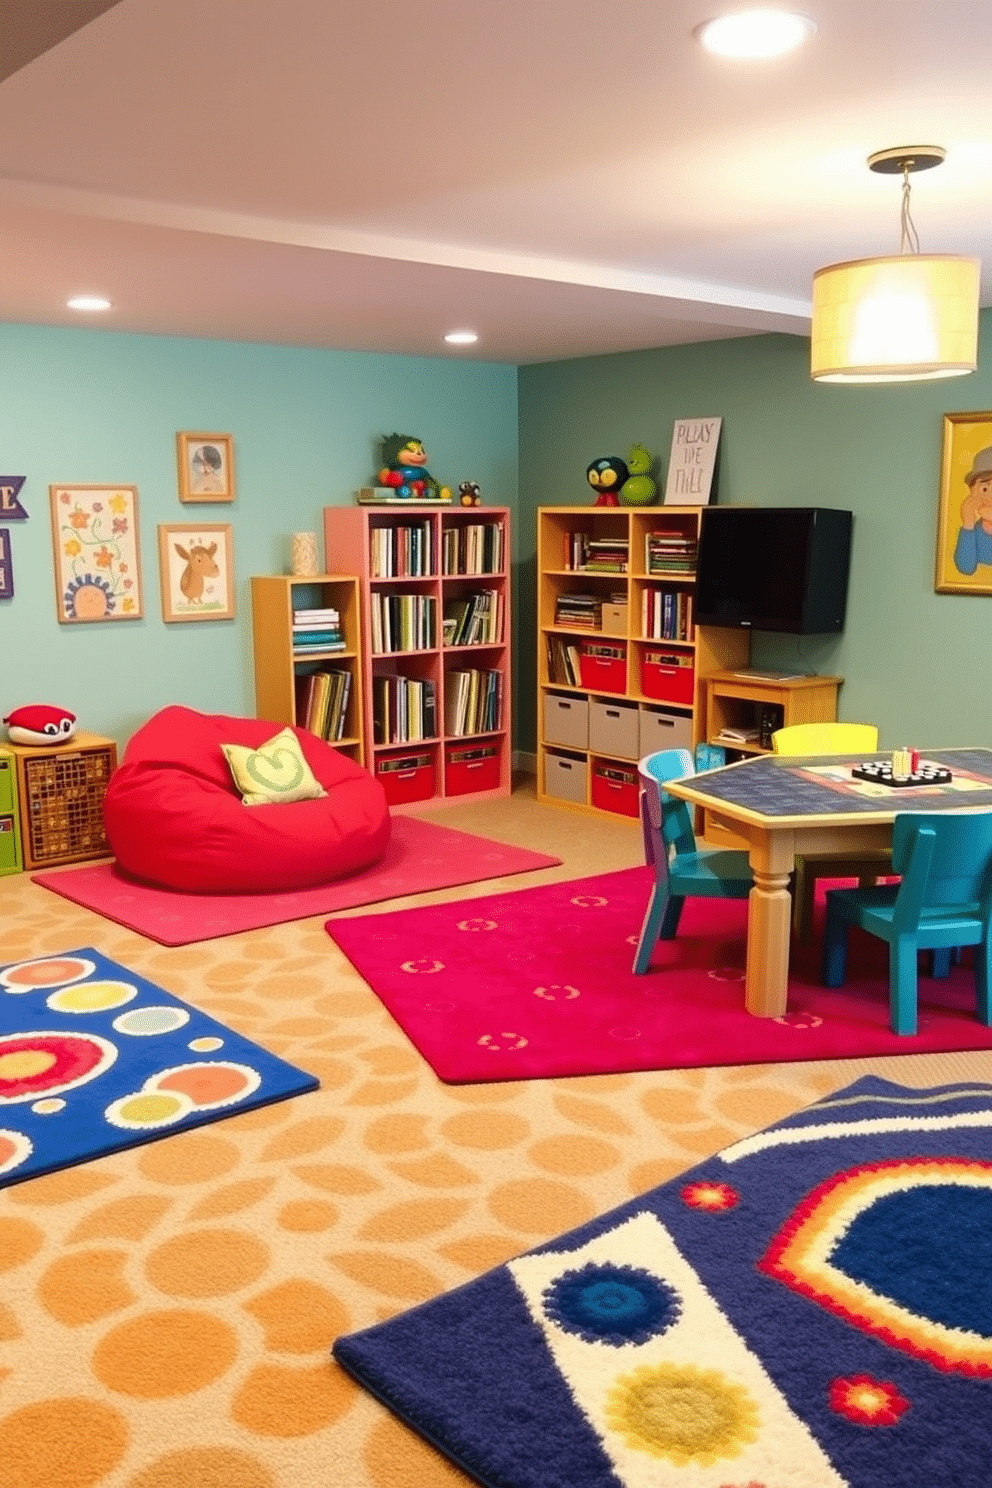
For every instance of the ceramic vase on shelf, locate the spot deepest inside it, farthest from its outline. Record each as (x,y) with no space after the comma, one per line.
(304,554)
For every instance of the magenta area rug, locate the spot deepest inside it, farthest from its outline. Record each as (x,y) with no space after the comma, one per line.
(421,857)
(538,983)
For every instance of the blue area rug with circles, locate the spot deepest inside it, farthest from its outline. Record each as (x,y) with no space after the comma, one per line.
(94,1058)
(809,1308)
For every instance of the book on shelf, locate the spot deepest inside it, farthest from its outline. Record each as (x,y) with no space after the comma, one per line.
(403,709)
(579,611)
(402,622)
(768,674)
(670,552)
(564,663)
(666,615)
(322,702)
(585,551)
(324,640)
(386,496)
(739,735)
(473,702)
(474,619)
(402,551)
(473,548)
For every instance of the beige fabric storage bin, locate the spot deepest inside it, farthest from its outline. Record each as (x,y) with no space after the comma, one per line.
(566,778)
(662,729)
(613,728)
(566,720)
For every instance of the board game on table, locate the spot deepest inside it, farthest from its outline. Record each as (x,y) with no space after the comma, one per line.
(880,772)
(825,785)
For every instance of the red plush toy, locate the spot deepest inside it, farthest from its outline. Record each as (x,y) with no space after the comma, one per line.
(39,723)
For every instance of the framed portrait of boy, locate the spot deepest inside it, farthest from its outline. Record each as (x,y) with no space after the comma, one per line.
(964,516)
(206,467)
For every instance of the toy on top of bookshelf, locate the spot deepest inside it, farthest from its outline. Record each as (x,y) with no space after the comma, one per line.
(39,723)
(403,474)
(606,475)
(640,488)
(469,493)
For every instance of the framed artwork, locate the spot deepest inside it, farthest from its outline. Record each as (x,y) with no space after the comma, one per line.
(206,467)
(196,567)
(964,513)
(6,566)
(96,554)
(692,461)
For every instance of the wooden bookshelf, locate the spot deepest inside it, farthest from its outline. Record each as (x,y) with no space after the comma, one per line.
(418,562)
(643,664)
(281,669)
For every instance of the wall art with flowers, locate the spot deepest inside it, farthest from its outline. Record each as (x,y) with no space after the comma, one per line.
(97,560)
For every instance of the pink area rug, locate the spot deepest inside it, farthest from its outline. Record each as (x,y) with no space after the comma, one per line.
(421,857)
(536,983)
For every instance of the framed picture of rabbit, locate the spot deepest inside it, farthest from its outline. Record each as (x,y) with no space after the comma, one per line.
(196,566)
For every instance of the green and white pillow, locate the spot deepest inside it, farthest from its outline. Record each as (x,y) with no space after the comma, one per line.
(276,771)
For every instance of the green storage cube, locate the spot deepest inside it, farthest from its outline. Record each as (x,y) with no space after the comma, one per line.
(11,860)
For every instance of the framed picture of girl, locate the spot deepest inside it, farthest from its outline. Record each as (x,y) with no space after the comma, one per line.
(206,467)
(964,520)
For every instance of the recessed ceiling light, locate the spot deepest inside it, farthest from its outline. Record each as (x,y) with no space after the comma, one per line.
(88,302)
(461,338)
(753,34)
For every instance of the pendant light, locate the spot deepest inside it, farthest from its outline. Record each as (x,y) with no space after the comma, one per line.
(901,319)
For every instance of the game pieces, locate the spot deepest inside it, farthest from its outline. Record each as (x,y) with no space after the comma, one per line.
(879,772)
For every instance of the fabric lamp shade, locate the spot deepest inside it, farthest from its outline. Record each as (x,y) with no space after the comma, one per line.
(901,319)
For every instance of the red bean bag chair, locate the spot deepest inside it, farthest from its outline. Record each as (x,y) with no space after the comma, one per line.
(176,819)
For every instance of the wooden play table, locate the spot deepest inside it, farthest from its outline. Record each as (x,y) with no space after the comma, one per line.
(787,805)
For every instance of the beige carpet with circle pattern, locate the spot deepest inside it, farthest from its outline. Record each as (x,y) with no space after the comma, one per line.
(166,1312)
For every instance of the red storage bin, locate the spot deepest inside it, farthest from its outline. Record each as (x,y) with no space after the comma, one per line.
(471,769)
(407,777)
(616,789)
(665,680)
(603,667)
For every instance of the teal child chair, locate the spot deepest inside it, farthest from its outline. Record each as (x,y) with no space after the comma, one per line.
(943,901)
(680,869)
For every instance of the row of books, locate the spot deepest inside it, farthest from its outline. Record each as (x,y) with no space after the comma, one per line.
(473,701)
(564,661)
(666,615)
(402,552)
(670,552)
(579,611)
(322,702)
(404,709)
(474,619)
(584,551)
(403,622)
(317,630)
(473,548)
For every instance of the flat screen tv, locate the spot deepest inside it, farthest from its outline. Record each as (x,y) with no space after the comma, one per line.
(776,568)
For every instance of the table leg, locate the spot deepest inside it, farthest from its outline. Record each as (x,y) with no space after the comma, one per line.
(768,926)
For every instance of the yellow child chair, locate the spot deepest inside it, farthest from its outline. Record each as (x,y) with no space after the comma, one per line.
(868,864)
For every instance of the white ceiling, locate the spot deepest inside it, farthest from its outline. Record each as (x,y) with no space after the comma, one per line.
(566,177)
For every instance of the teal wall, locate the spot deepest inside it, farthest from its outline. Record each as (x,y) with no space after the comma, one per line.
(914,661)
(91,407)
(97,407)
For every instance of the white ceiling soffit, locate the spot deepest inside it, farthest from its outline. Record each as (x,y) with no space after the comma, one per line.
(566,179)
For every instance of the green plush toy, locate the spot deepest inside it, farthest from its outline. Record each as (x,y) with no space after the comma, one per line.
(640,488)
